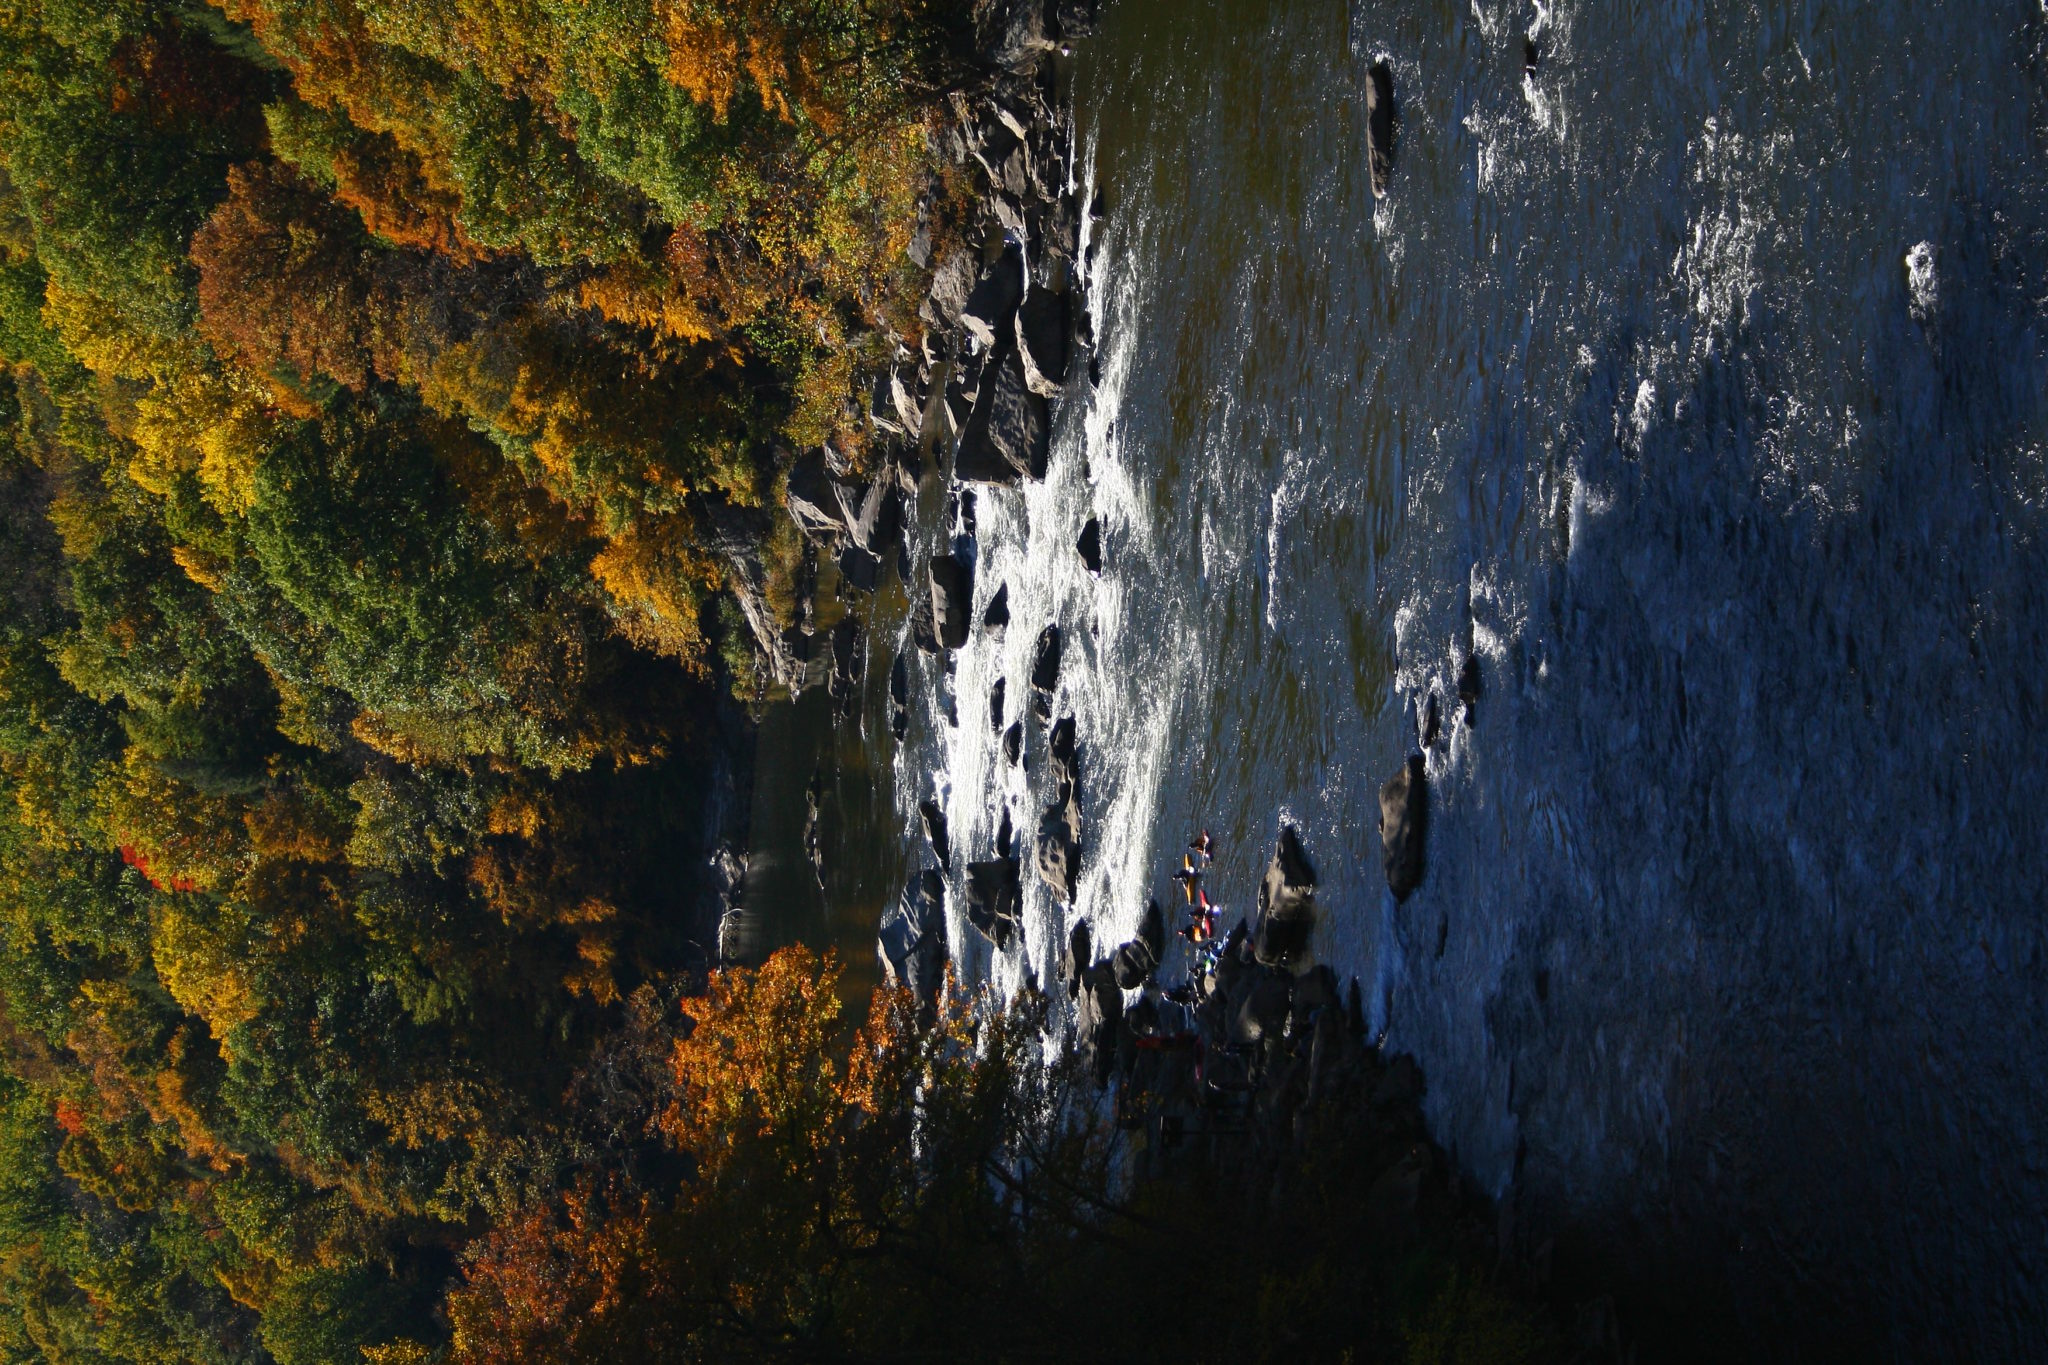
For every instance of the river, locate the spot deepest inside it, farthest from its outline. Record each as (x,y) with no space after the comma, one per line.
(1729,955)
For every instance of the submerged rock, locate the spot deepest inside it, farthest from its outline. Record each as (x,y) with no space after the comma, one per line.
(952,585)
(1468,685)
(1404,820)
(1090,545)
(995,705)
(1380,125)
(934,821)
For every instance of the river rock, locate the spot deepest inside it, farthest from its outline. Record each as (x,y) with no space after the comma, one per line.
(922,631)
(1287,906)
(994,894)
(858,570)
(1058,849)
(1099,1021)
(1262,1006)
(1064,753)
(1013,743)
(1090,545)
(992,307)
(812,501)
(903,400)
(912,937)
(934,821)
(1006,836)
(1135,961)
(849,659)
(952,282)
(1045,670)
(952,584)
(1008,430)
(1076,957)
(995,705)
(899,697)
(1042,329)
(1404,824)
(1380,125)
(995,618)
(871,513)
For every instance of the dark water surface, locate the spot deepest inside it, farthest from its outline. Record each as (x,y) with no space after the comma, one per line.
(1731,942)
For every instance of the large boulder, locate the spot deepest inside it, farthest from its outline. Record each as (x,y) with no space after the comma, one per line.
(952,283)
(1076,957)
(858,569)
(934,821)
(1262,1007)
(812,500)
(994,899)
(952,582)
(1404,823)
(991,309)
(903,399)
(1100,1020)
(1058,849)
(1134,962)
(1042,329)
(871,512)
(1008,432)
(1010,34)
(912,939)
(1287,907)
(1379,125)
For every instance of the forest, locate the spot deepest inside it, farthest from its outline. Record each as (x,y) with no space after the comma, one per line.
(386,392)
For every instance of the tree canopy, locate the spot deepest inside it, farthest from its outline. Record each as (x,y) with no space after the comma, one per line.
(366,372)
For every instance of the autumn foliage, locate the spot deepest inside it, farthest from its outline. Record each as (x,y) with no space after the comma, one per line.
(368,376)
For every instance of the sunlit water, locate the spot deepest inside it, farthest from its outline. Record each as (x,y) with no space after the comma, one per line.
(1730,943)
